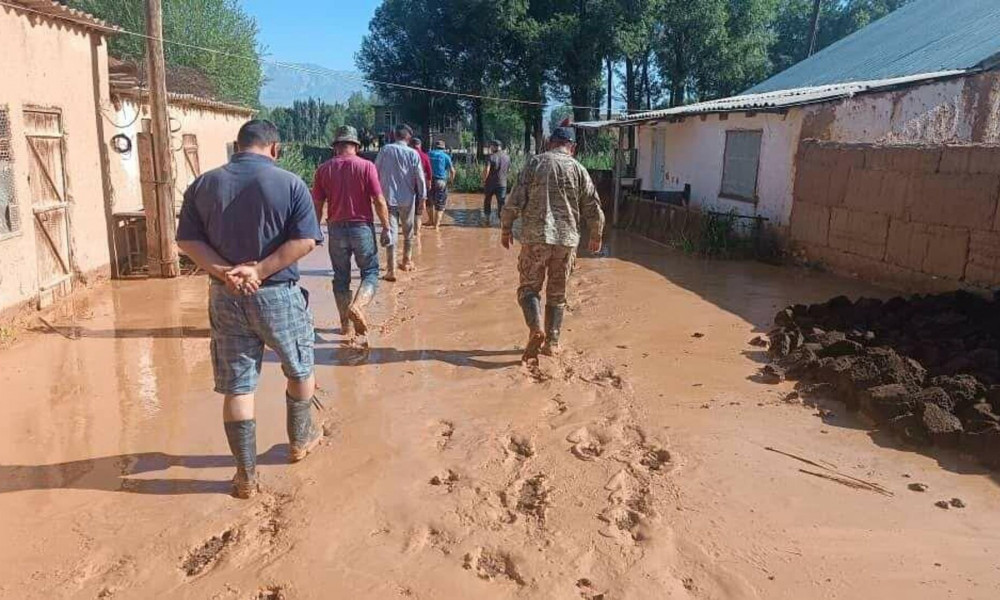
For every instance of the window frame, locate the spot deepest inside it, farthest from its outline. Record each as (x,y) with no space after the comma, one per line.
(756,180)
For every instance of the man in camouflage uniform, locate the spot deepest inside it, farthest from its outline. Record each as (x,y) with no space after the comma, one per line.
(552,192)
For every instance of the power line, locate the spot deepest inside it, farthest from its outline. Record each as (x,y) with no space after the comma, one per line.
(295,67)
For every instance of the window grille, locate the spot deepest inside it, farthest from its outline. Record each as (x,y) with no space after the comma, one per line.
(10,216)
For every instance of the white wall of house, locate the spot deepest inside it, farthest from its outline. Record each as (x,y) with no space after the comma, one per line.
(962,110)
(53,66)
(213,128)
(692,152)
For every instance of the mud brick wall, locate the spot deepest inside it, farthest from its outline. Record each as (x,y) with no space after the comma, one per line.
(912,217)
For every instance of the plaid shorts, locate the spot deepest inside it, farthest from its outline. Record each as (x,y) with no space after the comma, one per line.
(276,316)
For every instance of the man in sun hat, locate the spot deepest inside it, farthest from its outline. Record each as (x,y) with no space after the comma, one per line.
(347,188)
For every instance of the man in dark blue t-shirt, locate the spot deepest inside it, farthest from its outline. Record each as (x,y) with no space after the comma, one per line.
(247,224)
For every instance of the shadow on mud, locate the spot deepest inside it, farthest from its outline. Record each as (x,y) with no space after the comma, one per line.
(752,290)
(113,473)
(348,355)
(834,413)
(74,332)
(467,217)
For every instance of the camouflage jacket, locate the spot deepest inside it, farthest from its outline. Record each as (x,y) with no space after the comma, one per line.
(552,192)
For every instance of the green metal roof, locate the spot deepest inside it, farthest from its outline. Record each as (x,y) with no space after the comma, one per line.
(925,36)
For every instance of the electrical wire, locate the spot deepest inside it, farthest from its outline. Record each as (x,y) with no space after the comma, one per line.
(138,113)
(303,69)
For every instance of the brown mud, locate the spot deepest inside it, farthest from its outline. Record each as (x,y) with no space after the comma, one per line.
(633,465)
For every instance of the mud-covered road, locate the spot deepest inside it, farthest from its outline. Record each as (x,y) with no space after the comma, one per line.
(635,466)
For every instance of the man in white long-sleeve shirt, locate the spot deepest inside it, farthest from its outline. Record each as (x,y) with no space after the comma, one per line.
(403,184)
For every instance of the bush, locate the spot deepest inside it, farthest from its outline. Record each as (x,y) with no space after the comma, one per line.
(293,159)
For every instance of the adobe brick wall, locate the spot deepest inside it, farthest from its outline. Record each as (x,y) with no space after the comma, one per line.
(912,217)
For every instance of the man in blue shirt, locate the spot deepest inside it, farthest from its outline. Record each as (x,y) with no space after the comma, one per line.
(444,173)
(247,224)
(403,186)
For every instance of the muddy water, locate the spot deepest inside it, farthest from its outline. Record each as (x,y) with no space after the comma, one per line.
(632,466)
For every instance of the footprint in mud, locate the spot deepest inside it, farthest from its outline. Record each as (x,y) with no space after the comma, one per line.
(587,445)
(533,498)
(448,479)
(559,406)
(656,459)
(430,536)
(271,592)
(607,377)
(443,431)
(204,557)
(492,565)
(521,448)
(587,591)
(630,507)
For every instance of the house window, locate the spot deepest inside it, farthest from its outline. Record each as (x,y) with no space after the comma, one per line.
(740,162)
(388,118)
(10,216)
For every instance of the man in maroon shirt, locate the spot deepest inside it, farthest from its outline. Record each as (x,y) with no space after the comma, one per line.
(425,161)
(347,186)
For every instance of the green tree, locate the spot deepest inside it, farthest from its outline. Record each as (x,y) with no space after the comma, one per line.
(558,115)
(359,112)
(503,122)
(838,19)
(220,25)
(712,48)
(406,45)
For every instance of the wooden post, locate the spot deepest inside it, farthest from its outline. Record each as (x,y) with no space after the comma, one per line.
(163,219)
(616,177)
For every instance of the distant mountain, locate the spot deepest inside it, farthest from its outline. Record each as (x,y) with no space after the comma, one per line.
(283,85)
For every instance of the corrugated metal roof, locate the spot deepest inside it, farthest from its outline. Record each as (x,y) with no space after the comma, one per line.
(142,95)
(771,101)
(923,36)
(61,12)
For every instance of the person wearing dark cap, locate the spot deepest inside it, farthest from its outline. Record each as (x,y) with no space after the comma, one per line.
(552,192)
(425,163)
(347,188)
(247,224)
(495,180)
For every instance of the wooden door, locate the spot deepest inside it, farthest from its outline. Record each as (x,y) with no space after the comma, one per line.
(658,168)
(192,167)
(49,201)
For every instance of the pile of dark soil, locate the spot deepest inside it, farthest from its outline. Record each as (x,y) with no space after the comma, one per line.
(926,368)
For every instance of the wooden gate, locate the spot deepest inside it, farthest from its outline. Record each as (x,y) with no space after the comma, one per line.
(49,202)
(192,168)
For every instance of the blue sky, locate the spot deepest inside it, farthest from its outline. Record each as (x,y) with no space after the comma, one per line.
(322,32)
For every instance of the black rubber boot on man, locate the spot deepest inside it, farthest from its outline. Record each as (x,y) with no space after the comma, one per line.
(553,326)
(531,306)
(242,437)
(302,435)
(343,309)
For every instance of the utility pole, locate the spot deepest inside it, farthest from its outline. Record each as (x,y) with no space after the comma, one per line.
(163,262)
(814,28)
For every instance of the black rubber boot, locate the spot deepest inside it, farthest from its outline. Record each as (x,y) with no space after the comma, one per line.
(302,435)
(343,308)
(553,326)
(531,306)
(242,437)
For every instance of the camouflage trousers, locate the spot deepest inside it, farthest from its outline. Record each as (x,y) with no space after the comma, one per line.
(539,262)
